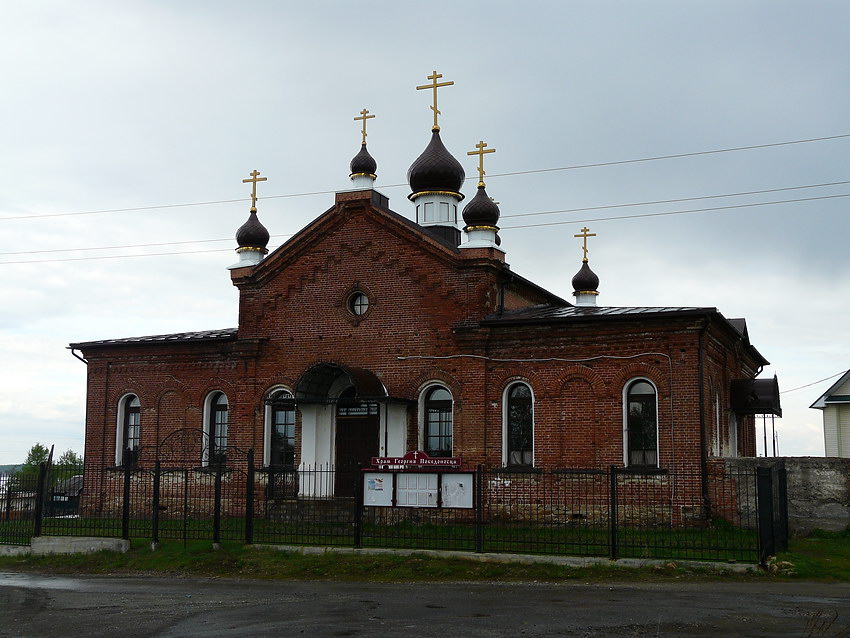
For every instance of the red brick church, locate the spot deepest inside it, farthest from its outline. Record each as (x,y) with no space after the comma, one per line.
(369,334)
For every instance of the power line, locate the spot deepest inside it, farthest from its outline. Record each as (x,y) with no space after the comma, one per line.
(682,199)
(551,212)
(814,382)
(560,223)
(675,212)
(152,245)
(528,172)
(674,156)
(571,221)
(184,252)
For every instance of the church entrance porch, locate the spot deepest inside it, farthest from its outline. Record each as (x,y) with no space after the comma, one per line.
(356,441)
(347,418)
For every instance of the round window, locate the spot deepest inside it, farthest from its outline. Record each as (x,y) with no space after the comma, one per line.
(358,303)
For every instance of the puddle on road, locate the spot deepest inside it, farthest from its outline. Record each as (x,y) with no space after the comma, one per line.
(39,582)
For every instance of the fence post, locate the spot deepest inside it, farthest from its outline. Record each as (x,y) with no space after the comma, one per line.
(782,507)
(217,506)
(249,500)
(358,510)
(125,506)
(39,498)
(155,505)
(478,504)
(612,514)
(9,497)
(764,504)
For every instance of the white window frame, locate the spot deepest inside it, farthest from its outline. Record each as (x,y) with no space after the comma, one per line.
(207,436)
(733,434)
(267,422)
(424,392)
(119,425)
(625,402)
(716,444)
(505,393)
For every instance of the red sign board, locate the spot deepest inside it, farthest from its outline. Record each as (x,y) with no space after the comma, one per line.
(417,459)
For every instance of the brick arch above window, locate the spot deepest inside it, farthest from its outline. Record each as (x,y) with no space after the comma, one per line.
(583,373)
(659,376)
(116,395)
(216,384)
(432,377)
(500,380)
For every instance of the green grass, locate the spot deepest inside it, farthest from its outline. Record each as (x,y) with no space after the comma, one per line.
(234,560)
(821,556)
(717,543)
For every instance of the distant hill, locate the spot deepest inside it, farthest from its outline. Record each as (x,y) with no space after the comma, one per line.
(8,469)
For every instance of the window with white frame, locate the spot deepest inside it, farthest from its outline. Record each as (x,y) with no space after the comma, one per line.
(715,444)
(216,428)
(733,434)
(641,427)
(438,422)
(280,414)
(519,426)
(129,429)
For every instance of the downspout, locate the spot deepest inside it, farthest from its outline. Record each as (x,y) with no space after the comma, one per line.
(702,444)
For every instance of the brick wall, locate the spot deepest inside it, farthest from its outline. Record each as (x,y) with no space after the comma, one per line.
(426,302)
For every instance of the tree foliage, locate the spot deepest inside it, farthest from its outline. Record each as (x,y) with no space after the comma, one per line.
(69,458)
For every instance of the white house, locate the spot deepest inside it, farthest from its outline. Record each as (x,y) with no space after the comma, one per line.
(835,404)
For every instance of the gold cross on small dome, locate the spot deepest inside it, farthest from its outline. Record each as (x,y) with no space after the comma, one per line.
(585,234)
(364,117)
(480,153)
(254,179)
(435,85)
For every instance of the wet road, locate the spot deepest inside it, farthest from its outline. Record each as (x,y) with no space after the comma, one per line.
(46,607)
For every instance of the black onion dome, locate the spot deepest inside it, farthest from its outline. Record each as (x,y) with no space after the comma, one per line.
(481,210)
(585,280)
(435,169)
(363,163)
(252,234)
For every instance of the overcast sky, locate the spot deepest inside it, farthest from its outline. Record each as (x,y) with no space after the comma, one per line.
(115,105)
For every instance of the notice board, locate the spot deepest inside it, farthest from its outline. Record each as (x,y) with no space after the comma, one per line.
(456,490)
(378,489)
(416,489)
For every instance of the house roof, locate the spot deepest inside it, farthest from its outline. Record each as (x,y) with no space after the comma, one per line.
(225,334)
(831,395)
(545,313)
(553,313)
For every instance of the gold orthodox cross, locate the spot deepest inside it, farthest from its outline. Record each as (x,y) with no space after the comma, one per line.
(364,117)
(480,153)
(254,179)
(434,85)
(585,234)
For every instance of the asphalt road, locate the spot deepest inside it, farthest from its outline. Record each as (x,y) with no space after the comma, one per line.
(46,607)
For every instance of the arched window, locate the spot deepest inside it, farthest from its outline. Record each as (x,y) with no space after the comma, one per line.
(716,450)
(281,421)
(641,424)
(733,434)
(130,417)
(216,429)
(519,425)
(438,422)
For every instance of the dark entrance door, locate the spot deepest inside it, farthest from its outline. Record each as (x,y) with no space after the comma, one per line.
(357,427)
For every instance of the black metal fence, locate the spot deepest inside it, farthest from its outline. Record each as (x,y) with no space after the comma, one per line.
(734,515)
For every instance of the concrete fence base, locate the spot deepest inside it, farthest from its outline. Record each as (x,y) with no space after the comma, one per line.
(77,545)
